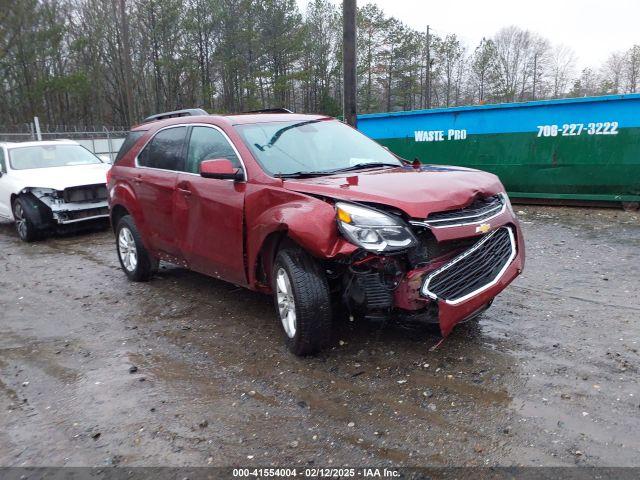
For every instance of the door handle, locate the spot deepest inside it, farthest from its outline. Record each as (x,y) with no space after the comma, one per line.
(184,191)
(137,179)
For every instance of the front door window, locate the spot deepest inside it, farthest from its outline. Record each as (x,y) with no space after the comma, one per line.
(208,144)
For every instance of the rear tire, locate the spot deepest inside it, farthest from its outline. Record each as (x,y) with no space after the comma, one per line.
(135,260)
(25,224)
(302,301)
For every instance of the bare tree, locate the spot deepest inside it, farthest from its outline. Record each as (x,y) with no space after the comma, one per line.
(483,64)
(450,54)
(632,70)
(587,84)
(512,46)
(561,69)
(612,73)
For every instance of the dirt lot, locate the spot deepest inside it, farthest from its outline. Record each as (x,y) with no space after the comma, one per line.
(549,376)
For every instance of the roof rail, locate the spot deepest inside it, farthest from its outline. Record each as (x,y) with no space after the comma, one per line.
(189,112)
(271,110)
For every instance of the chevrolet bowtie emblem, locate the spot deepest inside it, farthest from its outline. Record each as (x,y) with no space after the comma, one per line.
(484,228)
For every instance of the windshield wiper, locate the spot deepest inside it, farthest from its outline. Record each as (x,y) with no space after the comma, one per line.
(337,170)
(361,166)
(276,136)
(302,174)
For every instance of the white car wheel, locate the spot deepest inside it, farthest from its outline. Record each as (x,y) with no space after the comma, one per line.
(127,249)
(21,221)
(286,303)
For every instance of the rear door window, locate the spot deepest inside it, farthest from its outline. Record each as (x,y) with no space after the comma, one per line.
(208,143)
(3,168)
(129,142)
(165,150)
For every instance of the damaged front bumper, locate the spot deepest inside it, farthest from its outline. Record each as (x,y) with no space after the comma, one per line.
(73,205)
(81,212)
(462,269)
(463,286)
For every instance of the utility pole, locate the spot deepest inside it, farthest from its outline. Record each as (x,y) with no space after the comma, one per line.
(349,9)
(428,67)
(127,67)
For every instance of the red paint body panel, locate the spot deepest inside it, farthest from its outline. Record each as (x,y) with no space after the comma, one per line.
(208,226)
(154,192)
(308,221)
(219,227)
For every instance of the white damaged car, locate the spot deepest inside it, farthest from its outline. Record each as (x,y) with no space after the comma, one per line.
(49,184)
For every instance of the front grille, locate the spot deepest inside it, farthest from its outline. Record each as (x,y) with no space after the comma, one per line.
(481,209)
(87,193)
(474,270)
(428,248)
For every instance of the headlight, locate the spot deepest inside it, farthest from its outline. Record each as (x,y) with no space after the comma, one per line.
(373,230)
(46,193)
(507,202)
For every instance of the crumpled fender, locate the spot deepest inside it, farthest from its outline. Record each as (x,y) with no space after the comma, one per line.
(308,221)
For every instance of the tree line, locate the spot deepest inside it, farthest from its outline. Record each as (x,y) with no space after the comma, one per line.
(88,62)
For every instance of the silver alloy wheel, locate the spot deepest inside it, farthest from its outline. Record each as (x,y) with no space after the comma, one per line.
(127,249)
(286,303)
(21,221)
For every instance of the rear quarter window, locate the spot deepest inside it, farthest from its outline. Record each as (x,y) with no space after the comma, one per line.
(129,142)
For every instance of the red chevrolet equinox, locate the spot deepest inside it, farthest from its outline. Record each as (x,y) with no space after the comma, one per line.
(309,210)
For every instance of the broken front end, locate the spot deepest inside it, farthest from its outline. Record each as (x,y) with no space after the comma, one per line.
(443,269)
(69,206)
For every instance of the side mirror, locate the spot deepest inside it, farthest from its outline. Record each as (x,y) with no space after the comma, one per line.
(220,168)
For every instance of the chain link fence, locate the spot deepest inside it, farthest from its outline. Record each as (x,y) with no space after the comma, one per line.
(104,141)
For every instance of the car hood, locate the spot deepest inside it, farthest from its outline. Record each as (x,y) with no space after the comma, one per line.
(415,191)
(60,178)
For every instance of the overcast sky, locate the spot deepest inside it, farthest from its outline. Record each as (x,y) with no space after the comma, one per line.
(592,28)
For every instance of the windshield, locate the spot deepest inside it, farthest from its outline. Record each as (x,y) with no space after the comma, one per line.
(45,156)
(312,147)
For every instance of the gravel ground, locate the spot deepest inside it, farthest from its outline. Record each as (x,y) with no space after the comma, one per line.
(190,371)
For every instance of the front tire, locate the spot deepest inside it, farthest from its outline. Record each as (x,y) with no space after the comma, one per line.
(135,260)
(25,224)
(302,301)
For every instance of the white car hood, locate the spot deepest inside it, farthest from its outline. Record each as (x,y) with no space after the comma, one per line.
(60,178)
